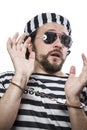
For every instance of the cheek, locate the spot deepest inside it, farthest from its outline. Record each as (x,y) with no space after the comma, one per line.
(65,51)
(42,48)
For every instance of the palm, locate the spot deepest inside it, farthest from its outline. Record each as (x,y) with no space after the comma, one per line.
(17,53)
(74,85)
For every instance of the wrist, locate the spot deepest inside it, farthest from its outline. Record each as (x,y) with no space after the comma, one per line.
(75,102)
(21,80)
(22,89)
(70,105)
(82,105)
(22,75)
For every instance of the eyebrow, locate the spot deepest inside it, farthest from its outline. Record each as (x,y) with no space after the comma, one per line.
(53,30)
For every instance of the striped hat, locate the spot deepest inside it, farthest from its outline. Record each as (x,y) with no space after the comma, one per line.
(43,18)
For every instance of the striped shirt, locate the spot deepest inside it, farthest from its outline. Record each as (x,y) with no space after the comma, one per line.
(39,109)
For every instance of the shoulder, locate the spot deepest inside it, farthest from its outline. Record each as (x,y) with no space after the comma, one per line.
(6,76)
(7,73)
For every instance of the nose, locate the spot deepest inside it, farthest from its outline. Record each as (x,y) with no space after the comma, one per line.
(57,43)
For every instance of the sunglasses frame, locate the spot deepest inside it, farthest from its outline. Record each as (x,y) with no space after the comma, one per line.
(62,38)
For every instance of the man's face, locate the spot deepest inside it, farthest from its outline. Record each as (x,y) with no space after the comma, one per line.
(50,57)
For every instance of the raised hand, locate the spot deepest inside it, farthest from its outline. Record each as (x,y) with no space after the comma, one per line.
(17,51)
(74,85)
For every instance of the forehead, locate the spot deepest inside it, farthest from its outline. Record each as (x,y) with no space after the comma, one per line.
(52,26)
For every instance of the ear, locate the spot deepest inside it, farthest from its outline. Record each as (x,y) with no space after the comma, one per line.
(68,52)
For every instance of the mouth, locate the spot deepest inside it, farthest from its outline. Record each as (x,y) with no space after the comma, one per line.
(56,54)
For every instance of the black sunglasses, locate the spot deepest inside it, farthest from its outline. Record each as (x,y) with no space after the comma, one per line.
(50,37)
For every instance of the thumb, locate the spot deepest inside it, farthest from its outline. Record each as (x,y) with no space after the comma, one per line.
(72,71)
(9,45)
(32,55)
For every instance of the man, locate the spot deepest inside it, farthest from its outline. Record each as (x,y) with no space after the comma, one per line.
(38,95)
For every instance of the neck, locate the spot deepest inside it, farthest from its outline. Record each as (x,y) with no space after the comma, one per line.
(42,71)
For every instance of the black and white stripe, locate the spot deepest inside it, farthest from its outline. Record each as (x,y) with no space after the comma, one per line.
(43,18)
(41,113)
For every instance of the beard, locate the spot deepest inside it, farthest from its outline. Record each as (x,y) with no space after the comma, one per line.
(50,67)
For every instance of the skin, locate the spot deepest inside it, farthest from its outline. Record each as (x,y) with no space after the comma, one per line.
(46,49)
(73,86)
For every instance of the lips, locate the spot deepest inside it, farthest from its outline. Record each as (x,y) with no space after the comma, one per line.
(56,54)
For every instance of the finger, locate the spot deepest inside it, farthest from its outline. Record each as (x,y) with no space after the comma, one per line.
(72,71)
(21,38)
(27,45)
(20,42)
(14,38)
(32,55)
(9,44)
(84,59)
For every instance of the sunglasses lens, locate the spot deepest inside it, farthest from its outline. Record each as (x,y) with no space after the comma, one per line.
(66,40)
(49,37)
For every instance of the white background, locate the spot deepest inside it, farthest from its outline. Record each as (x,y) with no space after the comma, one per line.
(15,13)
